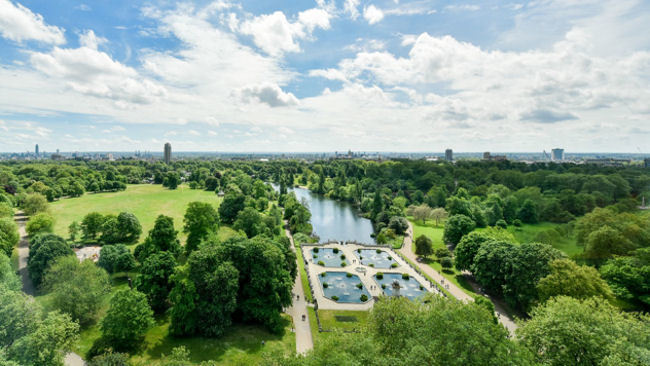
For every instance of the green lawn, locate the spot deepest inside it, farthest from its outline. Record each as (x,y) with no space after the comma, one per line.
(303,273)
(547,232)
(145,201)
(430,230)
(330,322)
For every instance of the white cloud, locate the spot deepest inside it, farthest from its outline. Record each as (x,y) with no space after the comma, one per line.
(18,23)
(275,34)
(269,94)
(373,14)
(350,7)
(463,7)
(90,40)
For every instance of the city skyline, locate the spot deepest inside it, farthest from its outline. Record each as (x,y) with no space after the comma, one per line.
(325,75)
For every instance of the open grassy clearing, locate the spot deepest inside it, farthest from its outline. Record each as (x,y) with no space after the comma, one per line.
(547,232)
(145,201)
(335,321)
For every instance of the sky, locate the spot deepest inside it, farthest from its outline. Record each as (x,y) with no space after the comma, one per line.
(325,75)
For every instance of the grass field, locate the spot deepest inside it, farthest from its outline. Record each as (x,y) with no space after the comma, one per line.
(303,273)
(355,320)
(145,201)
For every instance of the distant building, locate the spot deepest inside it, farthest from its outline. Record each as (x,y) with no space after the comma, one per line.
(557,154)
(449,155)
(168,153)
(490,157)
(36,150)
(607,161)
(646,162)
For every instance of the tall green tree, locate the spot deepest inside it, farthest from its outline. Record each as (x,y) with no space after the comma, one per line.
(44,250)
(9,236)
(35,203)
(249,221)
(233,203)
(200,220)
(154,279)
(40,223)
(91,225)
(570,279)
(116,258)
(162,238)
(127,319)
(423,246)
(77,289)
(457,226)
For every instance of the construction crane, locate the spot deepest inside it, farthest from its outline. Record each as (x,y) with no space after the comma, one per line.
(546,155)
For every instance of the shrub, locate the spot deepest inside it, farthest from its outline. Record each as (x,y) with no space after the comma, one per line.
(321,263)
(378,251)
(343,264)
(359,251)
(379,275)
(393,265)
(446,262)
(502,224)
(342,256)
(335,298)
(406,276)
(323,274)
(383,287)
(325,285)
(363,298)
(517,223)
(421,288)
(40,223)
(315,256)
(372,265)
(348,275)
(359,285)
(336,250)
(315,250)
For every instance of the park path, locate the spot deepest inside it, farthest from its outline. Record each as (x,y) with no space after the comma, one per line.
(408,251)
(71,358)
(298,309)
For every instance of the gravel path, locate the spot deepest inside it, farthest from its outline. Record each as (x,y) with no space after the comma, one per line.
(298,309)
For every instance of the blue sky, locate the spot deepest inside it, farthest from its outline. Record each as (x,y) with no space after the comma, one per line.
(392,75)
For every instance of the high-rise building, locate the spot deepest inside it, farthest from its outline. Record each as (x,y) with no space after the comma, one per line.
(557,154)
(646,162)
(36,150)
(168,153)
(449,155)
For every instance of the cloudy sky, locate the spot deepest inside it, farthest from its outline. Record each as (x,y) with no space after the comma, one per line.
(325,75)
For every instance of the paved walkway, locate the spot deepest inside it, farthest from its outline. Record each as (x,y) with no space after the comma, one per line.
(71,359)
(298,309)
(409,252)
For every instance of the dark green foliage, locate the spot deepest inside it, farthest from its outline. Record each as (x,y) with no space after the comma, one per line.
(40,223)
(116,258)
(456,227)
(154,279)
(162,238)
(629,277)
(91,225)
(110,359)
(232,204)
(34,203)
(171,180)
(398,224)
(44,249)
(446,262)
(249,221)
(127,319)
(200,220)
(528,212)
(125,228)
(9,236)
(466,250)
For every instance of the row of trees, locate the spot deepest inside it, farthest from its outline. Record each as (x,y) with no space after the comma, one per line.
(124,228)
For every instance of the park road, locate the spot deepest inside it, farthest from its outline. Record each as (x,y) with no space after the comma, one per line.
(298,309)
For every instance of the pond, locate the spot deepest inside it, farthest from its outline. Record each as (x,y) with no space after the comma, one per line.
(375,258)
(335,220)
(343,287)
(410,288)
(328,257)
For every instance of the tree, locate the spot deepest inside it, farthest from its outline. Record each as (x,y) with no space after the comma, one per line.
(200,220)
(163,237)
(40,223)
(423,246)
(127,319)
(73,230)
(9,236)
(606,242)
(110,359)
(91,225)
(171,180)
(116,258)
(77,289)
(249,221)
(35,203)
(233,202)
(398,224)
(8,277)
(446,262)
(19,315)
(629,277)
(124,228)
(492,265)
(420,212)
(53,337)
(569,279)
(442,252)
(439,214)
(185,318)
(44,250)
(528,263)
(154,279)
(568,331)
(467,248)
(456,227)
(528,212)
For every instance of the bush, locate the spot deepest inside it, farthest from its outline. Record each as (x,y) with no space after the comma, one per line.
(372,265)
(359,285)
(380,275)
(116,258)
(335,298)
(321,263)
(383,287)
(315,256)
(378,251)
(336,250)
(359,251)
(421,288)
(315,250)
(517,223)
(348,275)
(393,265)
(342,256)
(323,274)
(446,262)
(442,253)
(40,223)
(343,264)
(325,285)
(9,236)
(363,298)
(406,276)
(502,224)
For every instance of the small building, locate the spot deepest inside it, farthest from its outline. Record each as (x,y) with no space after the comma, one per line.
(646,162)
(490,157)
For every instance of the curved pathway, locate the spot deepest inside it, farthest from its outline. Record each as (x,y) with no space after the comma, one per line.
(408,251)
(298,309)
(71,359)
